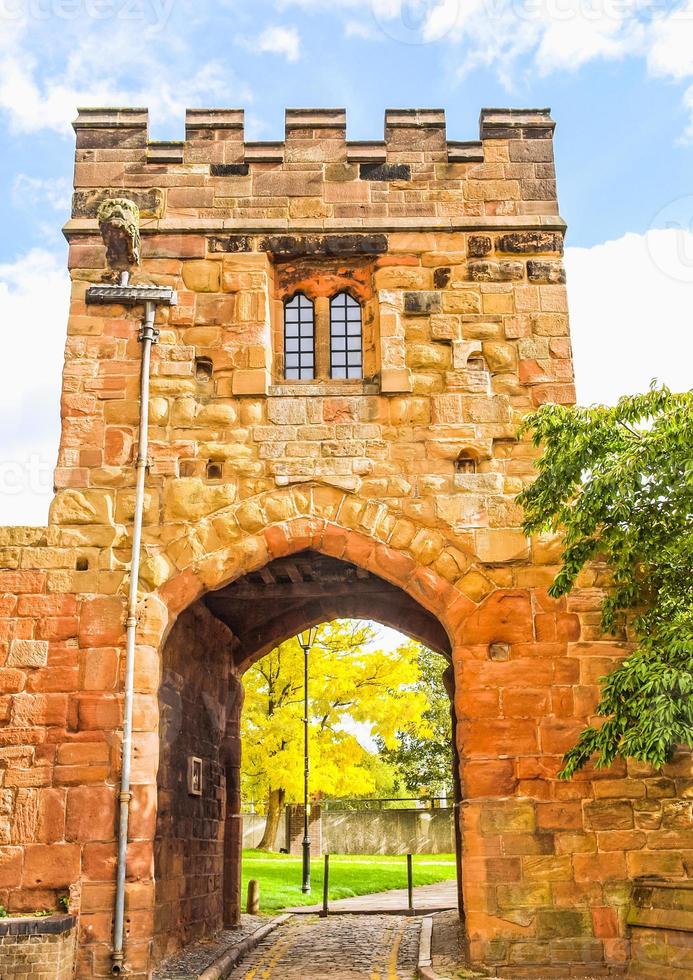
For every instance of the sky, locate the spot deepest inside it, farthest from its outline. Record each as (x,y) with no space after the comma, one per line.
(618,75)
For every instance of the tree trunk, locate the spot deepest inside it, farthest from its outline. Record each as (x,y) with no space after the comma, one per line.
(275,808)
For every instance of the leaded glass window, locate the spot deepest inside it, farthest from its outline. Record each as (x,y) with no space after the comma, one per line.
(299,339)
(346,347)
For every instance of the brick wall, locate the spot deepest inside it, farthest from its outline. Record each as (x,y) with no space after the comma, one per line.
(42,949)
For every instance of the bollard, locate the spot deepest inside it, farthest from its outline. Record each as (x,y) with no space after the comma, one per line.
(326,886)
(253,903)
(410,882)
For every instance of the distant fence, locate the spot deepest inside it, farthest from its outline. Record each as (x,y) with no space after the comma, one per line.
(371,830)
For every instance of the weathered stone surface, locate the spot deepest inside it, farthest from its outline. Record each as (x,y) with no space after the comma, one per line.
(385,171)
(530,241)
(28,653)
(298,246)
(548,272)
(422,303)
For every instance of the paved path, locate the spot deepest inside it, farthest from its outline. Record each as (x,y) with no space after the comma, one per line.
(427,898)
(349,947)
(188,963)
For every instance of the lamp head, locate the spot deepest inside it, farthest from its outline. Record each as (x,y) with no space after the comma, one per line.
(307,637)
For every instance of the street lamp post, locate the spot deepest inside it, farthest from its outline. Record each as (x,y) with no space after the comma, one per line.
(306,639)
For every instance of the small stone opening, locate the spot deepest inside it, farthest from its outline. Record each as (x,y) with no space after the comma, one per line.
(82,565)
(476,364)
(215,470)
(204,369)
(465,462)
(188,467)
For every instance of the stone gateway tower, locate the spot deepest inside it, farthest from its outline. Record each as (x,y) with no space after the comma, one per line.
(341,339)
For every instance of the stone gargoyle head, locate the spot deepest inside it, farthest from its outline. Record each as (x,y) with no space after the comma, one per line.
(119,223)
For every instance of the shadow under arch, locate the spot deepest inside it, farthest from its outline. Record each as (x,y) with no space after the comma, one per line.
(207,648)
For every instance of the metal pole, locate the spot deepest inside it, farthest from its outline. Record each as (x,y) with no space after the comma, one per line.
(326,886)
(147,337)
(305,887)
(410,882)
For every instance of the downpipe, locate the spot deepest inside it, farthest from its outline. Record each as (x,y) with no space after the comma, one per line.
(148,336)
(123,294)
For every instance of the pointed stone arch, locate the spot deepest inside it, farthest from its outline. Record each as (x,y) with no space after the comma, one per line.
(253,545)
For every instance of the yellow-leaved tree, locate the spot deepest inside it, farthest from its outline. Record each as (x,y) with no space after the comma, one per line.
(352,682)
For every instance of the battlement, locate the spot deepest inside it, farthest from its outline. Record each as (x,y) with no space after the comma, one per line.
(408,133)
(316,178)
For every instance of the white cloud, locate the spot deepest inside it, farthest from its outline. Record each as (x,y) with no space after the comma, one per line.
(630,320)
(670,48)
(125,67)
(36,191)
(277,40)
(33,311)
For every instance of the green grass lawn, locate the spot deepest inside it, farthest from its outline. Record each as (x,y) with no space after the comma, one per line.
(350,874)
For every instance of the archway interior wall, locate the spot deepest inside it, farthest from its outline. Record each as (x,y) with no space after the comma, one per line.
(200,700)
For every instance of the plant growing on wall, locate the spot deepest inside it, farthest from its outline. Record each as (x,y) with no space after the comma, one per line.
(618,483)
(352,684)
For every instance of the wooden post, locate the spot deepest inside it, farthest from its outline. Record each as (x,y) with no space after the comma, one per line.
(410,881)
(326,886)
(253,903)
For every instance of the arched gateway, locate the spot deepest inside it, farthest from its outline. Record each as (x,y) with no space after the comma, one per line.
(357,332)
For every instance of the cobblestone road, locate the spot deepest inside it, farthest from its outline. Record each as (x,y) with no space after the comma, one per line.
(346,947)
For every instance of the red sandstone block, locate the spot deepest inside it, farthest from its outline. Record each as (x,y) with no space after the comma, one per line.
(96,713)
(504,617)
(50,865)
(99,861)
(472,703)
(46,605)
(50,826)
(11,863)
(143,812)
(22,581)
(173,246)
(12,680)
(559,816)
(605,922)
(91,813)
(525,703)
(54,679)
(140,864)
(39,709)
(536,789)
(99,668)
(78,775)
(102,622)
(83,753)
(181,591)
(500,737)
(600,867)
(559,734)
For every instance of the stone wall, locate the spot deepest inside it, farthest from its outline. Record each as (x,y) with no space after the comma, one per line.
(661,921)
(371,831)
(454,250)
(388,831)
(38,949)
